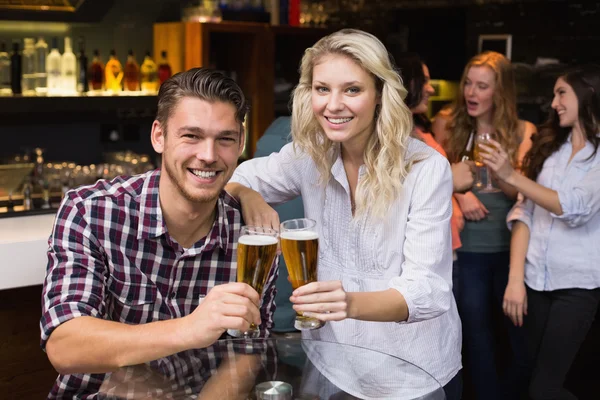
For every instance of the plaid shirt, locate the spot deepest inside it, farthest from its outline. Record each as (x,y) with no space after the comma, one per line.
(110,256)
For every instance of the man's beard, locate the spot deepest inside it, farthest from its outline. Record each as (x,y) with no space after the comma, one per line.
(206,197)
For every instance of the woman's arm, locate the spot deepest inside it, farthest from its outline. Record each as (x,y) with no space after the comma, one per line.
(528,129)
(422,291)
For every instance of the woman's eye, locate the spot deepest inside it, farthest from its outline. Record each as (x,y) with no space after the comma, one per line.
(353,90)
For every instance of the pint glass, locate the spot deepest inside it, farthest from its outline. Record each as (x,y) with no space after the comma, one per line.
(300,247)
(256,252)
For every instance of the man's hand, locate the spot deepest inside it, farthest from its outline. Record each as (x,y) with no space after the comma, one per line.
(228,306)
(463,176)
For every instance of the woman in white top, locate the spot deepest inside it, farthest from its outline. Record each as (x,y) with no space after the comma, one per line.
(554,268)
(382,202)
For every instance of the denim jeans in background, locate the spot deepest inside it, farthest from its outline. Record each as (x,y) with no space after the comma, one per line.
(482,281)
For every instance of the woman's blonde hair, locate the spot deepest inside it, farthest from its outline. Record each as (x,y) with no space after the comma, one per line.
(384,157)
(505,118)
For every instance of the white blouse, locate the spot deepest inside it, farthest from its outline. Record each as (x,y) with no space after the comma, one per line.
(564,251)
(410,250)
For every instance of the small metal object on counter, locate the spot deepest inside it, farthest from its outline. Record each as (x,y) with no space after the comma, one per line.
(273,390)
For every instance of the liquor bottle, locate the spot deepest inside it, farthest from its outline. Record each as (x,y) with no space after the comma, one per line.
(149,75)
(68,69)
(53,69)
(164,69)
(41,55)
(4,71)
(96,73)
(113,73)
(28,68)
(132,74)
(82,69)
(15,69)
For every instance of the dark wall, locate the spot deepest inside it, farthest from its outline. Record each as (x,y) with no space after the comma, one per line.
(566,30)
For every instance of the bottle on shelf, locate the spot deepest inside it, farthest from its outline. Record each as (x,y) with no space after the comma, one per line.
(132,74)
(149,75)
(5,88)
(96,73)
(164,69)
(53,69)
(68,68)
(15,69)
(113,73)
(29,77)
(82,69)
(41,56)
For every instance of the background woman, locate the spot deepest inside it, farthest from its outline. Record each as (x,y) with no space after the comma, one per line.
(416,78)
(486,102)
(382,202)
(554,274)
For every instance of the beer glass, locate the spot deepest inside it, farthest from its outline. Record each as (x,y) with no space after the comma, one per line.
(483,138)
(256,252)
(300,247)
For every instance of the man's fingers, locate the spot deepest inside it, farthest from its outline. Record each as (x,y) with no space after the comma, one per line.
(247,312)
(240,289)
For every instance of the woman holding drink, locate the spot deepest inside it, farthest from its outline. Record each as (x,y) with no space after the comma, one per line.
(381,203)
(554,275)
(486,107)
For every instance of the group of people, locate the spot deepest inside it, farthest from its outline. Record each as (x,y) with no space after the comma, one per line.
(144,267)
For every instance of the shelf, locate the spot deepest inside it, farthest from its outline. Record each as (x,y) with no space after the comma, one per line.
(45,109)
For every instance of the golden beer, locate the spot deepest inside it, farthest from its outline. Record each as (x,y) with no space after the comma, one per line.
(300,252)
(256,254)
(300,247)
(477,152)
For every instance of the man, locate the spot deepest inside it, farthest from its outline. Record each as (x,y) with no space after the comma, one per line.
(143,268)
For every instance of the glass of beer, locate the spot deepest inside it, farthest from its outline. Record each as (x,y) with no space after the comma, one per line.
(483,138)
(256,252)
(300,247)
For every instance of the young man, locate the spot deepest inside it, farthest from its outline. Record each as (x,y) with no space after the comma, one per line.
(140,269)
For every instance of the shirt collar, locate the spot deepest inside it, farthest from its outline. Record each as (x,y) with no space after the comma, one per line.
(151,223)
(337,169)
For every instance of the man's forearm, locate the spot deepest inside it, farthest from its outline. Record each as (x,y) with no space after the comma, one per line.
(94,345)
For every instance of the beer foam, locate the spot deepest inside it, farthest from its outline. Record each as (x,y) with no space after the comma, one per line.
(257,240)
(299,235)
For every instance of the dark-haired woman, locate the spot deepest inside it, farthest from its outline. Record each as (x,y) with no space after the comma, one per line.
(555,257)
(416,78)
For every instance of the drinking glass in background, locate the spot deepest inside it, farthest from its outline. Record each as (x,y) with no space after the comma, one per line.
(484,138)
(256,252)
(300,247)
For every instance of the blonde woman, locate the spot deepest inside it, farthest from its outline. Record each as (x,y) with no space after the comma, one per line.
(382,202)
(486,103)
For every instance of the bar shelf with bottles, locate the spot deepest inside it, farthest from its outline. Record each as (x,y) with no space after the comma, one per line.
(37,72)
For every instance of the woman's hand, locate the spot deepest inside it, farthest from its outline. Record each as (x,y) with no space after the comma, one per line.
(498,160)
(326,301)
(471,207)
(515,302)
(256,211)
